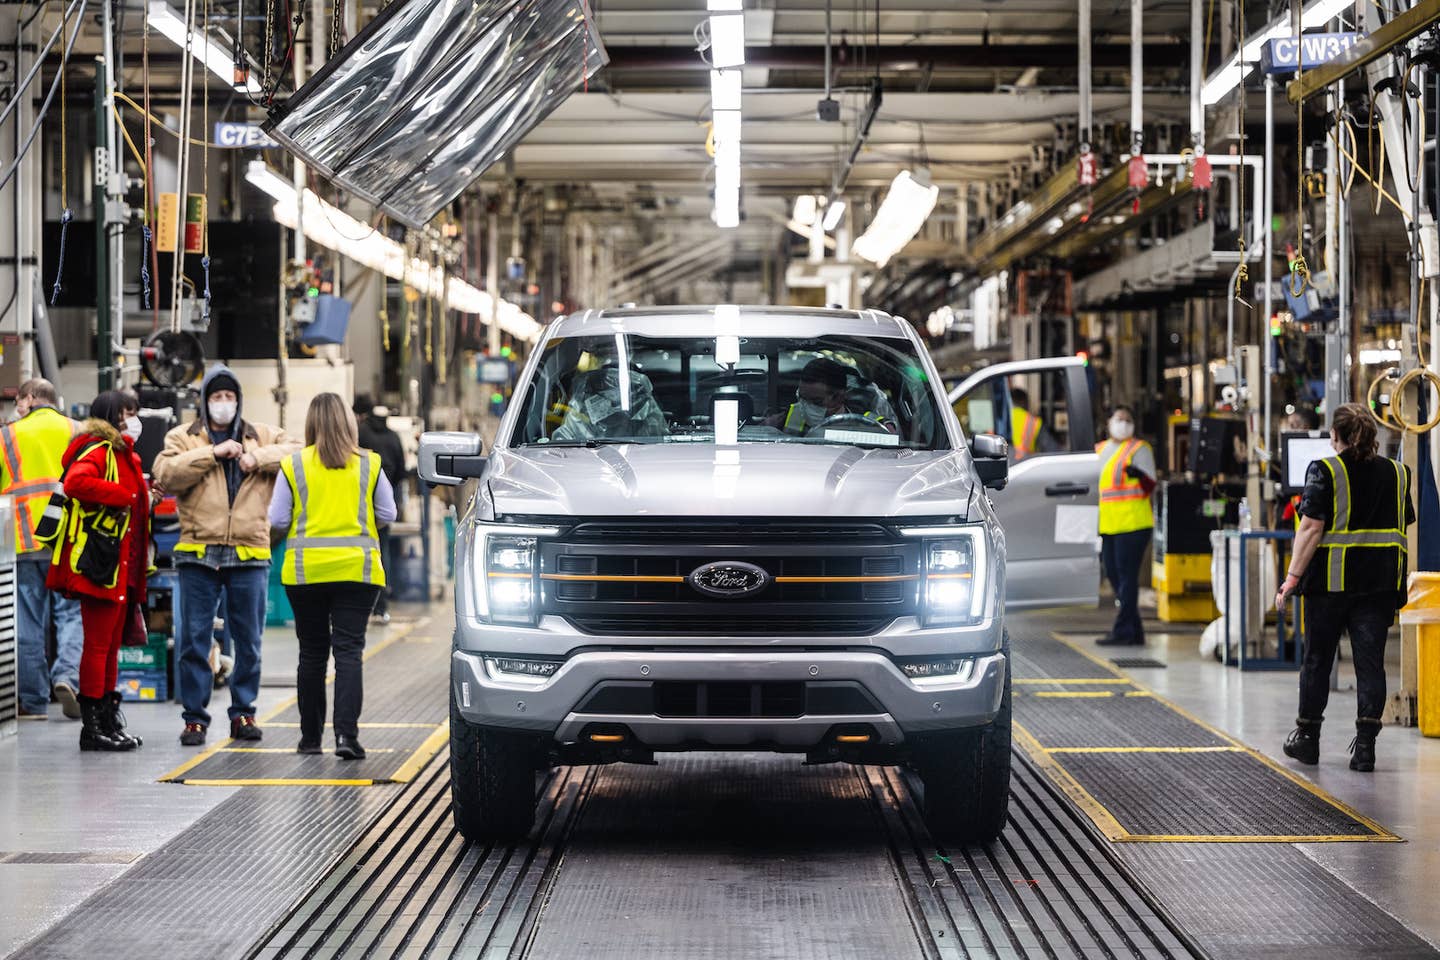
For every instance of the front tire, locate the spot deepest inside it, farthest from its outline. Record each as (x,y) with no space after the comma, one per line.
(966,774)
(492,780)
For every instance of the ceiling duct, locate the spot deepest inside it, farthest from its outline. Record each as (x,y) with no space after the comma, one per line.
(433,92)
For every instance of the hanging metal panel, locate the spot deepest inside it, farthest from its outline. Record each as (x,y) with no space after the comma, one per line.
(433,92)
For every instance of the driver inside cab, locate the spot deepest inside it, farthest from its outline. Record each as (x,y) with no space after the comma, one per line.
(823,394)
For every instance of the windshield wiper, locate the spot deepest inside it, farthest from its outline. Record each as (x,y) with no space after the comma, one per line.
(591,443)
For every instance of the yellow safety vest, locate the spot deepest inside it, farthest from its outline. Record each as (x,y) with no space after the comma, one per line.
(795,419)
(1024,432)
(1338,539)
(33,447)
(333,535)
(1124,504)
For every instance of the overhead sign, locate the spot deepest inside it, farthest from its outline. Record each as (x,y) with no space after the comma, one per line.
(244,136)
(1312,50)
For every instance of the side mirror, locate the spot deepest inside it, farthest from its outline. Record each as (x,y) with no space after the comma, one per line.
(992,460)
(450,458)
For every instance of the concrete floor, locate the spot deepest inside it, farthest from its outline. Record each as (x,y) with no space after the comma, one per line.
(71,823)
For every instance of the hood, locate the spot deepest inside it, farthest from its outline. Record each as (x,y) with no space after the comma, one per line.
(218,370)
(702,480)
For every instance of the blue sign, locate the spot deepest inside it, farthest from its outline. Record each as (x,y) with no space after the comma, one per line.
(1280,55)
(243,136)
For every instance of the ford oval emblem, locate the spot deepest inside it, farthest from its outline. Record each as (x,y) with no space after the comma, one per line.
(728,579)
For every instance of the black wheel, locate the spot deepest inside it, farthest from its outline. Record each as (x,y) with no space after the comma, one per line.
(966,774)
(492,780)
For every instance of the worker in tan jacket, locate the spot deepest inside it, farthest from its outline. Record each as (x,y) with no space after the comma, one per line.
(222,471)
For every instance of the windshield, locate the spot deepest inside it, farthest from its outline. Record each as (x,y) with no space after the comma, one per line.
(628,388)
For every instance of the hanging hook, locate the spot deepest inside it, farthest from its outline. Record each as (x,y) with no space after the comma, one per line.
(65,219)
(145,266)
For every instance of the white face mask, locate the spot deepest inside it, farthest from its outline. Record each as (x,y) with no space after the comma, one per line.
(222,412)
(814,413)
(132,428)
(1121,429)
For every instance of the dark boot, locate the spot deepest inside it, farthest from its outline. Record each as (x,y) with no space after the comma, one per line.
(113,719)
(93,735)
(1303,744)
(1362,748)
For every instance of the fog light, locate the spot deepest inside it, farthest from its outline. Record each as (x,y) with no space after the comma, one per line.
(514,669)
(951,670)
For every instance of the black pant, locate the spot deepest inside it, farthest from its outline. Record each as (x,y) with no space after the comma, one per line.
(1367,617)
(382,603)
(1122,555)
(331,616)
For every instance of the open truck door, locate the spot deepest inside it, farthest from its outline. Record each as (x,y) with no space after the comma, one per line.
(1050,507)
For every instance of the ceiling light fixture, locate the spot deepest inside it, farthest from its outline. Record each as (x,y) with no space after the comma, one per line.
(1238,67)
(334,229)
(725,89)
(727,40)
(170,24)
(727,207)
(805,210)
(901,215)
(834,210)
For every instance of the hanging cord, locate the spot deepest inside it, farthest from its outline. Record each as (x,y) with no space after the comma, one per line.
(182,172)
(337,13)
(440,365)
(1299,270)
(405,300)
(429,312)
(268,81)
(384,317)
(45,106)
(66,214)
(205,183)
(40,55)
(150,257)
(1242,270)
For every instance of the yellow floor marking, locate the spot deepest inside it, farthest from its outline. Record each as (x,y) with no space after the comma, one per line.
(422,754)
(1142,749)
(1073,694)
(1041,681)
(1108,824)
(416,725)
(1139,693)
(279,782)
(292,750)
(394,635)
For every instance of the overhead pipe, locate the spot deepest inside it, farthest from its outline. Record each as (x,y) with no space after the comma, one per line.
(1087,54)
(1197,77)
(913,57)
(1137,77)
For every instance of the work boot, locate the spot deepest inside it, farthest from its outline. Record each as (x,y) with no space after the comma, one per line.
(348,748)
(1362,748)
(244,727)
(65,695)
(93,735)
(113,719)
(193,735)
(1303,744)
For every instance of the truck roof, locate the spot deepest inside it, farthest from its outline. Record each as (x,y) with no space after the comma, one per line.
(745,321)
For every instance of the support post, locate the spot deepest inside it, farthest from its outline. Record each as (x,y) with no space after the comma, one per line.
(1084,42)
(104,349)
(1137,76)
(1197,77)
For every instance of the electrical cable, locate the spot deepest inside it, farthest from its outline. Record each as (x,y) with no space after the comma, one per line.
(182,171)
(45,105)
(205,183)
(40,55)
(1299,270)
(149,257)
(67,216)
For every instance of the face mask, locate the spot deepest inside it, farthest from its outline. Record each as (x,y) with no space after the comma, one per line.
(222,413)
(813,413)
(1121,429)
(132,428)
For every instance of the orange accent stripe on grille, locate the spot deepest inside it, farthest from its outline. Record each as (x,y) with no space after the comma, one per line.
(897,578)
(597,578)
(951,576)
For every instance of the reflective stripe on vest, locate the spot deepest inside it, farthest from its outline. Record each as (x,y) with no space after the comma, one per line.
(1124,504)
(1338,537)
(32,465)
(330,543)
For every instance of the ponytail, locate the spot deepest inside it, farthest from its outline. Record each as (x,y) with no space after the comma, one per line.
(1355,427)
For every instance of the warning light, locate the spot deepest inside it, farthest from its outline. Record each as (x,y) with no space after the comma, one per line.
(312,292)
(497,397)
(1277,326)
(506,352)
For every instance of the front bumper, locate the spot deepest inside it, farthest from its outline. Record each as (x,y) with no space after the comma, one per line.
(903,707)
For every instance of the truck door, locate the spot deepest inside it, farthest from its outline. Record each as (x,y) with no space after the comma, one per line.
(1049,509)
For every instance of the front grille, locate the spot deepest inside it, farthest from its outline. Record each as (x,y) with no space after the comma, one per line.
(643,625)
(723,699)
(613,578)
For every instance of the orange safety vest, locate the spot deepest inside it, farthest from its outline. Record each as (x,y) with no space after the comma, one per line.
(32,447)
(1124,504)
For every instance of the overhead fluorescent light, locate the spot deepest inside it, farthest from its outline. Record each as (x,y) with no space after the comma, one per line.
(724,5)
(725,89)
(901,215)
(432,93)
(727,207)
(727,40)
(166,21)
(833,212)
(805,210)
(1238,67)
(334,229)
(726,129)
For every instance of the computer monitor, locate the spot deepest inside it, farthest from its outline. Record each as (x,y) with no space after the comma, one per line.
(1299,449)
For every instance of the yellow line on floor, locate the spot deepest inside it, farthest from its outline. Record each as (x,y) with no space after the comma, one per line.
(1257,838)
(292,750)
(278,782)
(416,725)
(1041,681)
(1139,693)
(1072,694)
(1142,749)
(1380,832)
(1082,798)
(392,637)
(422,754)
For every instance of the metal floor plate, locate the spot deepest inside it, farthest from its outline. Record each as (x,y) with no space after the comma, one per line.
(1110,719)
(1047,657)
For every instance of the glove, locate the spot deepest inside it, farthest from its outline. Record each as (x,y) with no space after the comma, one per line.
(1134,472)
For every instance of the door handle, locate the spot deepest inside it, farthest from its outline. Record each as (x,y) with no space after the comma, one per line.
(1067,489)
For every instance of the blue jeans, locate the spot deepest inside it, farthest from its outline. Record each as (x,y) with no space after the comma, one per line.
(200,587)
(36,609)
(1123,553)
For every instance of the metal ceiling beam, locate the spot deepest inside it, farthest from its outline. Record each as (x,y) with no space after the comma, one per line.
(1398,30)
(912,57)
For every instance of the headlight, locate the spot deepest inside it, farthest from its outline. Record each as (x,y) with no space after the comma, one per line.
(506,570)
(955,574)
(943,670)
(516,670)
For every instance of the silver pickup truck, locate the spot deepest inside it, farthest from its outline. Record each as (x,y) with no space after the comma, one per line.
(730,528)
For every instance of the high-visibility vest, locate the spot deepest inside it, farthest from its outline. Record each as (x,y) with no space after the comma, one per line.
(1024,432)
(1124,504)
(1339,539)
(333,535)
(795,419)
(32,448)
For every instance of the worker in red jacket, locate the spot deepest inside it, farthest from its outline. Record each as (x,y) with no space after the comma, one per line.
(102,556)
